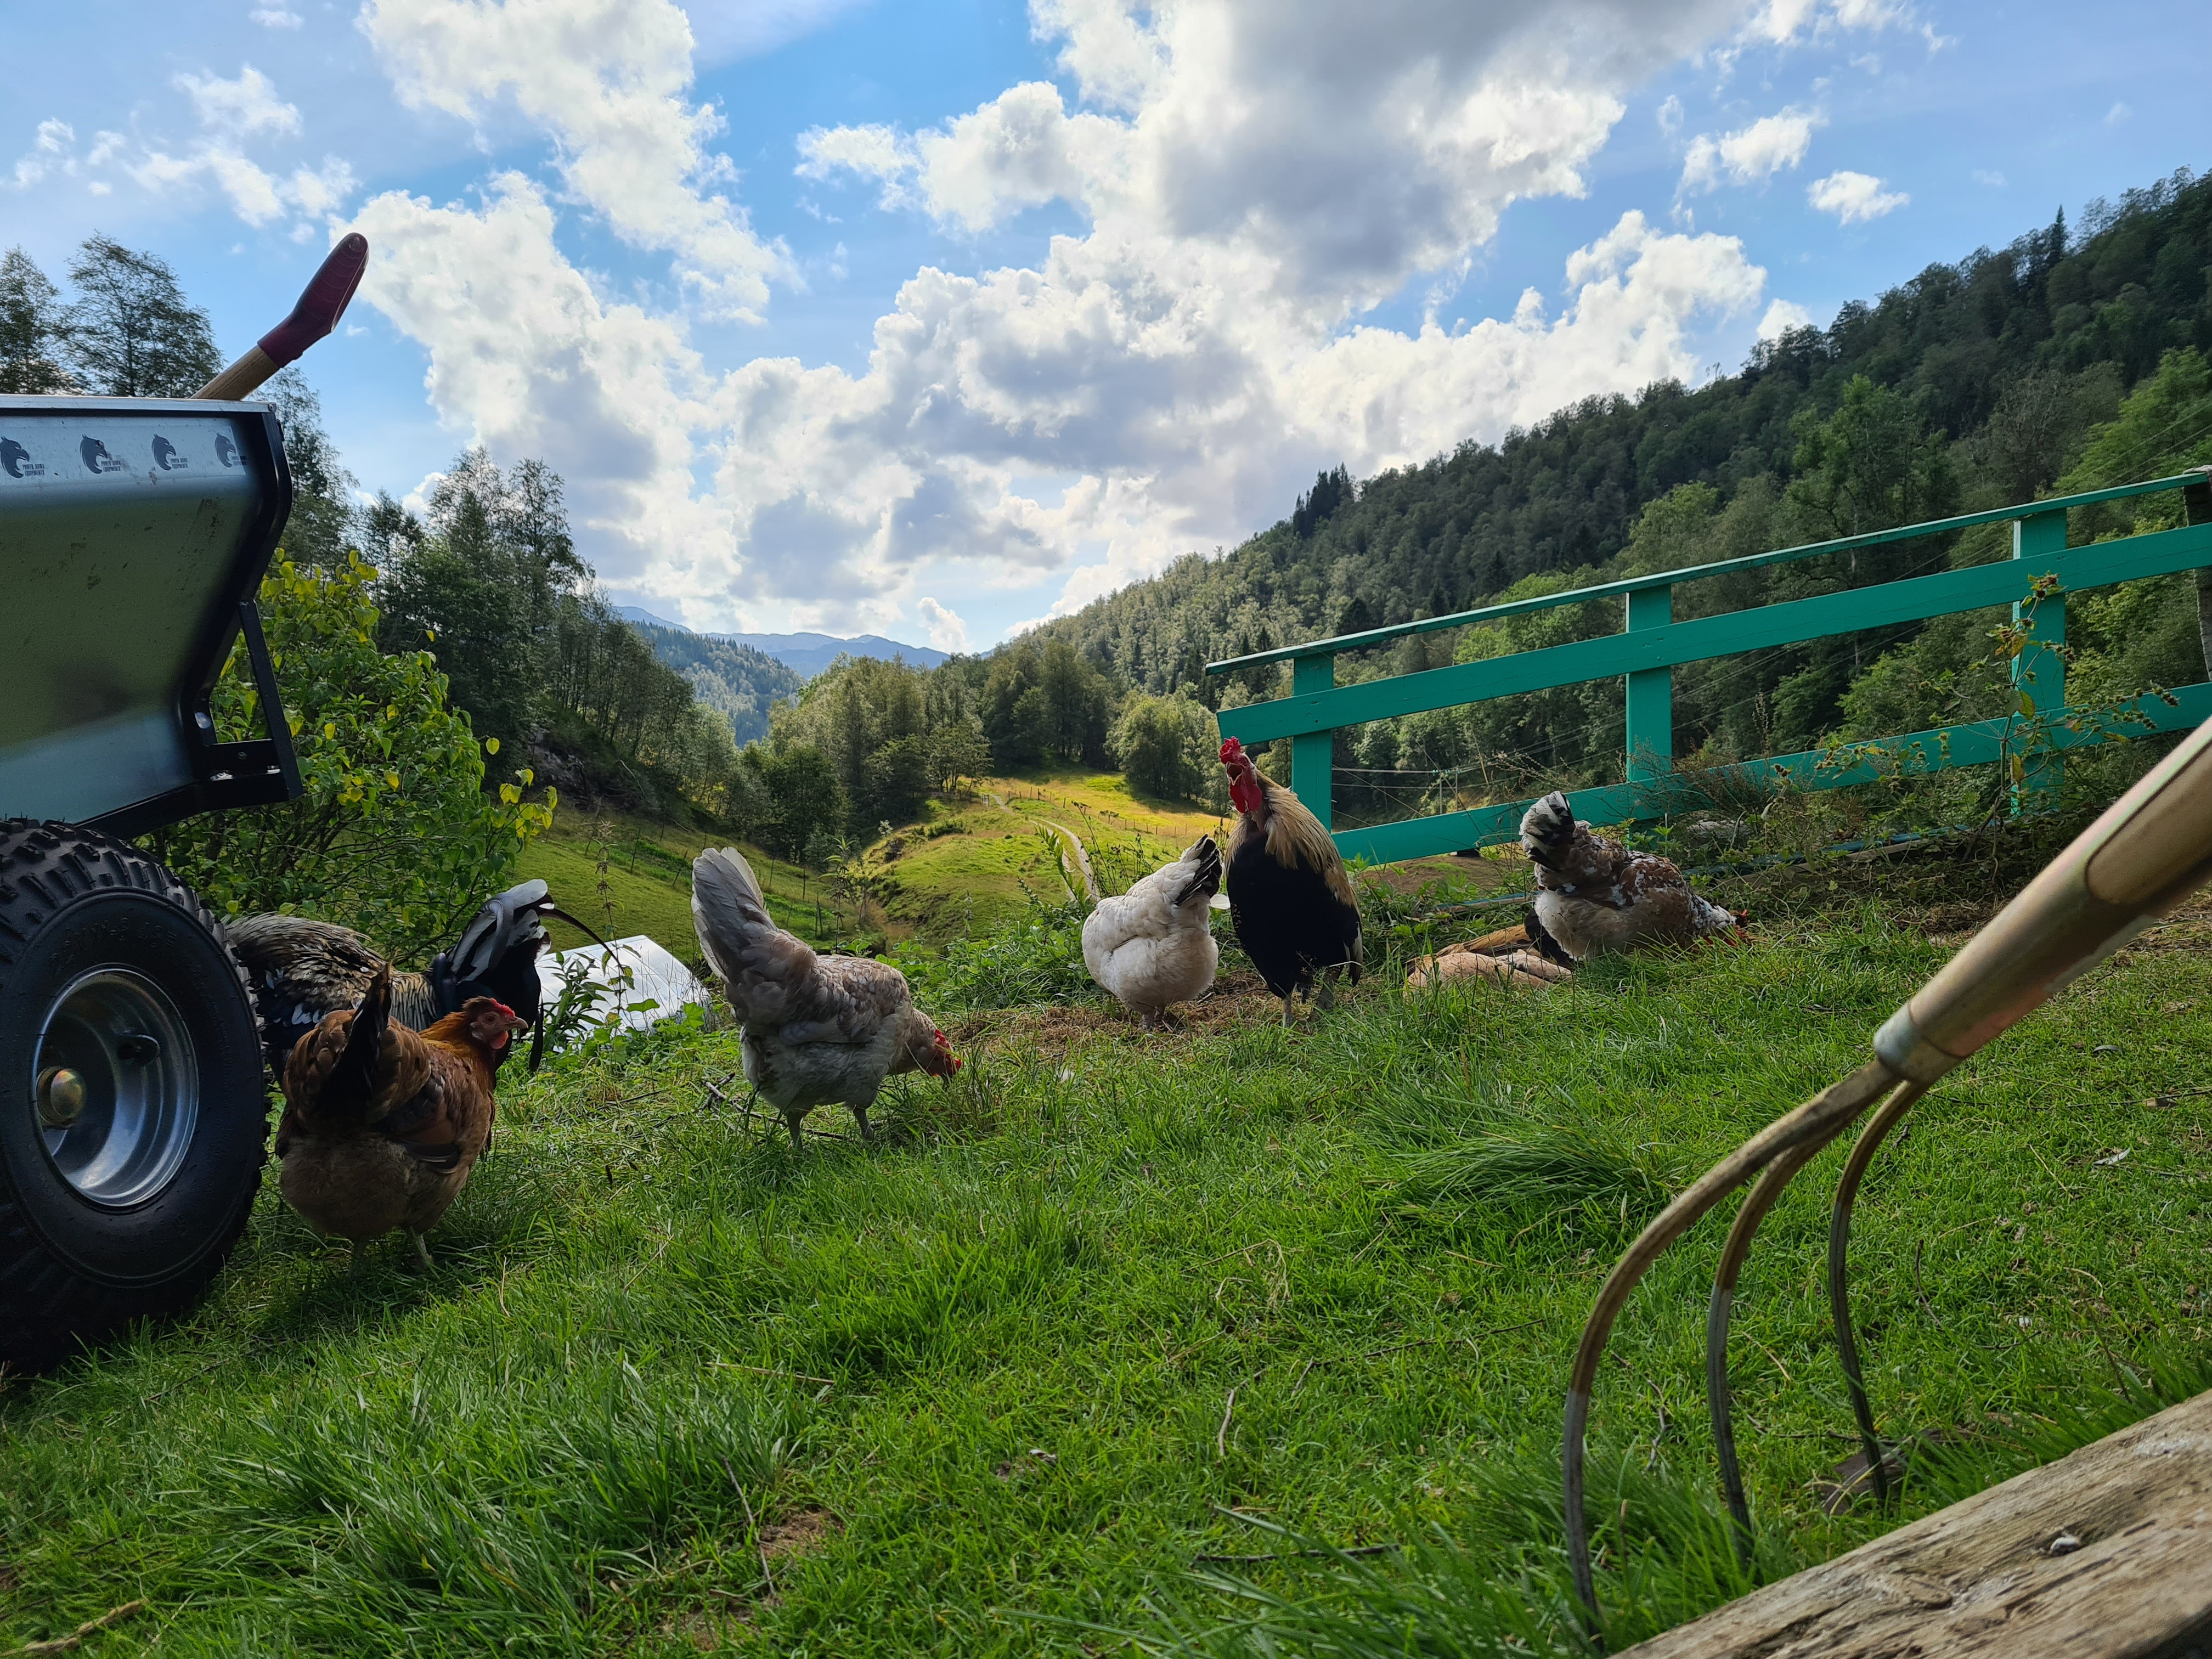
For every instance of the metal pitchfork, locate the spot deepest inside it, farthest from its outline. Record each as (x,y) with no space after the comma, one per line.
(2150,851)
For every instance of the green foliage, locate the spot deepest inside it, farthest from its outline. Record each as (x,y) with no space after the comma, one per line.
(1546,1169)
(1050,703)
(654,1339)
(1167,746)
(1970,386)
(741,682)
(31,329)
(395,835)
(320,530)
(1034,962)
(800,794)
(130,332)
(898,780)
(958,749)
(1871,465)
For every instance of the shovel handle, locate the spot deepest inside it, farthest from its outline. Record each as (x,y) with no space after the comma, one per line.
(321,304)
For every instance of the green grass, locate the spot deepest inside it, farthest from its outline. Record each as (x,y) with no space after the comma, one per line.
(648,881)
(973,1389)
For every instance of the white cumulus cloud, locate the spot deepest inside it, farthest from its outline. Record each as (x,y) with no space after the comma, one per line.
(1781,317)
(1854,198)
(52,151)
(609,81)
(946,631)
(1751,155)
(1197,348)
(240,108)
(232,114)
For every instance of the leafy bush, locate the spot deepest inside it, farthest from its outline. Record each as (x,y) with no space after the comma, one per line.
(395,835)
(1037,961)
(1167,746)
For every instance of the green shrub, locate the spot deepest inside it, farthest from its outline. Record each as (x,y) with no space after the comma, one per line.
(395,835)
(1039,960)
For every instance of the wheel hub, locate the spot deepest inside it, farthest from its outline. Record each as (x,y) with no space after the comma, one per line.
(115,1087)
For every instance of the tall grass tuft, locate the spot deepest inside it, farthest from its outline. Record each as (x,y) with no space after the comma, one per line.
(1541,1169)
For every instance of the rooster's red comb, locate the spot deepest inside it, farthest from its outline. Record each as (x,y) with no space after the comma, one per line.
(1231,751)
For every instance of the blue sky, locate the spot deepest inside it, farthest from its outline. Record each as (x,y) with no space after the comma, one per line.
(933,320)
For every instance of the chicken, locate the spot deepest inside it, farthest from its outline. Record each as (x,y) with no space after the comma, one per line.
(1151,947)
(816,1031)
(382,1125)
(1594,894)
(1512,955)
(1289,895)
(303,970)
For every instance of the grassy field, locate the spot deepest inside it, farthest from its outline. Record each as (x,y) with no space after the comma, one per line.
(648,882)
(968,867)
(1111,1309)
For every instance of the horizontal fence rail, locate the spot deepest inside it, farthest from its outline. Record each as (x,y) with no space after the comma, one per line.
(1651,644)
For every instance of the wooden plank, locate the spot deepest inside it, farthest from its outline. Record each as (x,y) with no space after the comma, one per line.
(1979,1579)
(1912,599)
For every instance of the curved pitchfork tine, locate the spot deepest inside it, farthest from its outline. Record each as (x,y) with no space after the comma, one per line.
(1818,1120)
(1719,1399)
(1839,1294)
(2147,851)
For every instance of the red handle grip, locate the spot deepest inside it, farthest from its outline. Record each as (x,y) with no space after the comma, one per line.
(321,303)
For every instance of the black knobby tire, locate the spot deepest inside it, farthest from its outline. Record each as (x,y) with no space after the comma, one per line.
(97,937)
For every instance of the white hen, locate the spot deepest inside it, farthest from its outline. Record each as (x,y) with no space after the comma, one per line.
(1151,947)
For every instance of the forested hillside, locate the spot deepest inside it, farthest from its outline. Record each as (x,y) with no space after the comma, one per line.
(738,682)
(2074,357)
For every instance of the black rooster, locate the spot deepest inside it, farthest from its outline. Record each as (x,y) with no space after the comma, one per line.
(1290,896)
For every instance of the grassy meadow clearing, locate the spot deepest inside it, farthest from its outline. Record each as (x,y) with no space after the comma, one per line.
(969,867)
(1114,1326)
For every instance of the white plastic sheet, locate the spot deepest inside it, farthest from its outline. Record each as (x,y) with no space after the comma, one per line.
(650,984)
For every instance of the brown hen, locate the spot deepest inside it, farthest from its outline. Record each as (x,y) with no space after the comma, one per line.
(382,1125)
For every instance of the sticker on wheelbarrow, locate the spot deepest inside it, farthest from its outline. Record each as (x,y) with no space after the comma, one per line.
(16,460)
(96,457)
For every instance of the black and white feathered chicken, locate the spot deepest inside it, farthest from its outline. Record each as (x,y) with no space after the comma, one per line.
(302,969)
(816,1031)
(1594,896)
(1151,947)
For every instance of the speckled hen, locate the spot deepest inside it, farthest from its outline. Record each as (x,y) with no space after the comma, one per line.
(1595,895)
(816,1031)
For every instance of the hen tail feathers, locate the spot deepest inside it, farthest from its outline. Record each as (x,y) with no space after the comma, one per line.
(1205,878)
(769,976)
(343,1094)
(1547,830)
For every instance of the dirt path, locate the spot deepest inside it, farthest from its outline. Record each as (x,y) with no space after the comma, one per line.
(1082,858)
(1074,840)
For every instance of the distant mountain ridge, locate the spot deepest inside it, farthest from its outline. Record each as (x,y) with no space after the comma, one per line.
(807,654)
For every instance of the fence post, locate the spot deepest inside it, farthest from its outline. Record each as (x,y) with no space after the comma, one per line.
(1312,752)
(2197,508)
(1650,693)
(2039,671)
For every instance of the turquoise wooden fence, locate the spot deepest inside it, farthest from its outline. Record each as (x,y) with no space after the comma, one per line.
(1651,643)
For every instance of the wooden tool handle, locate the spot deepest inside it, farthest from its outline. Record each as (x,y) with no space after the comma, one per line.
(321,304)
(2150,849)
